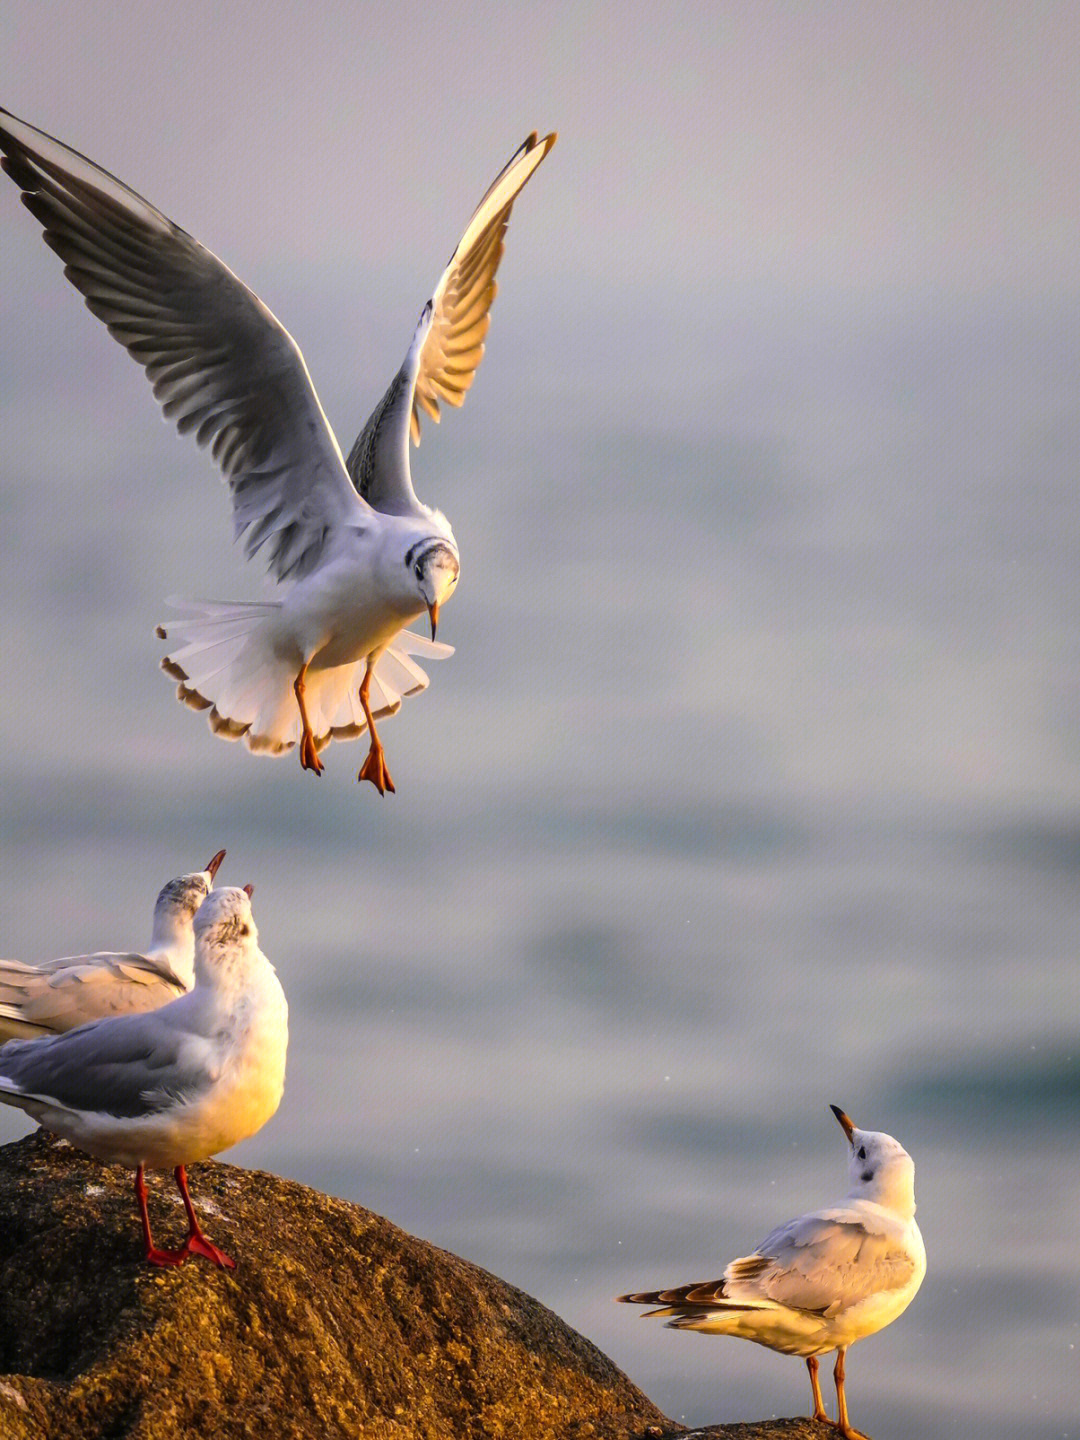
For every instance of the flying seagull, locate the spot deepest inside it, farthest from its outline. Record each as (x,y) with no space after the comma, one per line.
(62,994)
(361,555)
(823,1281)
(174,1085)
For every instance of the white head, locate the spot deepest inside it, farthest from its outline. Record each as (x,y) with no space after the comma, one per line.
(880,1169)
(225,935)
(434,569)
(177,902)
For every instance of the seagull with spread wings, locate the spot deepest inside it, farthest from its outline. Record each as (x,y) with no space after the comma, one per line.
(824,1280)
(362,556)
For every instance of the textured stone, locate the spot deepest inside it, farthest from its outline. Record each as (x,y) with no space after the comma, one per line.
(335,1323)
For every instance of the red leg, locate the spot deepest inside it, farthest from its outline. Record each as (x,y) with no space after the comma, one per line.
(196,1242)
(374,767)
(153,1254)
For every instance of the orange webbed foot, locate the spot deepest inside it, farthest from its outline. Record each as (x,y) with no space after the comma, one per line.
(309,756)
(374,769)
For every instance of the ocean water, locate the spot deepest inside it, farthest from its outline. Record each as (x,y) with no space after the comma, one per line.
(752,787)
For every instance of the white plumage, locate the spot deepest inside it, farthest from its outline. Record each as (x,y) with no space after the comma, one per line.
(174,1085)
(362,556)
(823,1280)
(61,994)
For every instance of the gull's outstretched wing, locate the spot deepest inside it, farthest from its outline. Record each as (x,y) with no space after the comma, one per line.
(447,346)
(220,364)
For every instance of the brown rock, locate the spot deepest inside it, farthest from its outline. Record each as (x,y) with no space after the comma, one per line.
(335,1323)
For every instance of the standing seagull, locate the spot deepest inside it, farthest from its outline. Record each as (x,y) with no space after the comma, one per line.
(61,994)
(823,1281)
(177,1084)
(365,556)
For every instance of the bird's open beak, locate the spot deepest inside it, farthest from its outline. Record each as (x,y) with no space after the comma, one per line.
(249,890)
(215,864)
(433,611)
(846,1124)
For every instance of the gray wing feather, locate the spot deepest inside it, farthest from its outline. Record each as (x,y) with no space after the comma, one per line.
(821,1262)
(127,1066)
(442,367)
(62,994)
(221,365)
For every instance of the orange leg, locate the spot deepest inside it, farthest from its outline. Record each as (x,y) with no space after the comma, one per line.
(196,1242)
(819,1404)
(374,767)
(843,1423)
(309,756)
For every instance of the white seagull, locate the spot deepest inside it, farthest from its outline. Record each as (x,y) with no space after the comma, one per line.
(174,1085)
(364,555)
(823,1281)
(61,994)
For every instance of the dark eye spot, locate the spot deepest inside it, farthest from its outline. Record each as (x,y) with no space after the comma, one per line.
(862,1152)
(418,571)
(867,1176)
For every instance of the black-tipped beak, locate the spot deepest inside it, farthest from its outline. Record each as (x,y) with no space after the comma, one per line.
(846,1124)
(433,611)
(249,890)
(215,864)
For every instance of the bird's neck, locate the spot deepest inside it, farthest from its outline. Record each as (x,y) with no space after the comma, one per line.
(897,1199)
(230,970)
(169,934)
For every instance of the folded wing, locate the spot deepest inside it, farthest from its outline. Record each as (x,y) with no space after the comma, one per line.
(818,1263)
(122,1067)
(65,993)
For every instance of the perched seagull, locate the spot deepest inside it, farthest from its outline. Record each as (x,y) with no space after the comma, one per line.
(823,1281)
(61,994)
(174,1085)
(364,555)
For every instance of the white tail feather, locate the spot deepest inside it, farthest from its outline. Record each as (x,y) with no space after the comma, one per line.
(224,662)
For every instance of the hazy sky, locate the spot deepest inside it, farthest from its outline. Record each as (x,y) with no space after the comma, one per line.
(794,297)
(766,499)
(819,143)
(809,272)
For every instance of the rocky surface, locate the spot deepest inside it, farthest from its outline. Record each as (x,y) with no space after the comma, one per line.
(335,1323)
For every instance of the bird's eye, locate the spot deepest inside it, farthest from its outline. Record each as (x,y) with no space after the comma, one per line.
(245,929)
(418,570)
(862,1152)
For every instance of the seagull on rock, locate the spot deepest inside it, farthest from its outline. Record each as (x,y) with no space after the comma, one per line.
(361,555)
(174,1085)
(823,1281)
(61,994)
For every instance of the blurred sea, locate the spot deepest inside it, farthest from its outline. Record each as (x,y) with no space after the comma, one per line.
(753,786)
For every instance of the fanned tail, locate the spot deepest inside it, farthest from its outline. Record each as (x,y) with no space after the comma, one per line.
(224,662)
